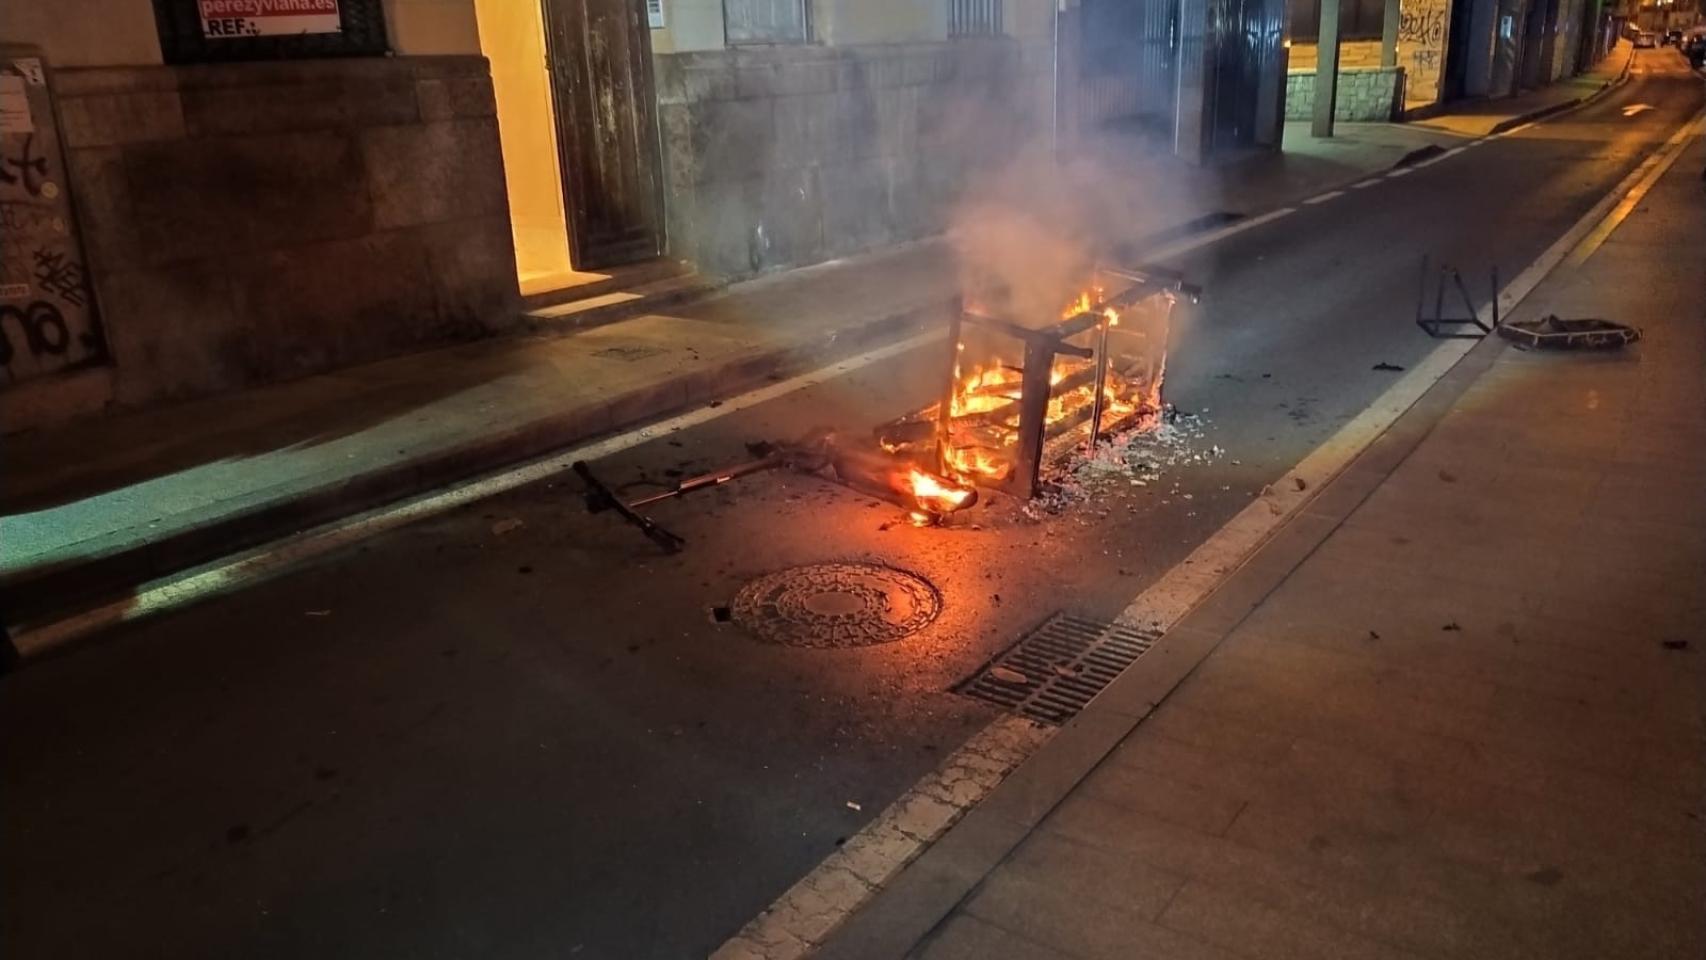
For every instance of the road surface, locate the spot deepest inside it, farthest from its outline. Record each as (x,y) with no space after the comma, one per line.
(474,737)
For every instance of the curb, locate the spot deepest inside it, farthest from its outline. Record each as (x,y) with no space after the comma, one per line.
(1510,123)
(1557,108)
(1433,110)
(905,912)
(47,593)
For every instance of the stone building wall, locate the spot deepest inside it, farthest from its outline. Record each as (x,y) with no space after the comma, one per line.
(1352,54)
(253,222)
(790,155)
(1366,94)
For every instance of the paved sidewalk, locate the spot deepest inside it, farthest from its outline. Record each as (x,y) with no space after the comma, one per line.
(1480,118)
(1456,709)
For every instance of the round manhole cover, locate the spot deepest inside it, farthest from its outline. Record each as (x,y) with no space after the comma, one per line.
(837,605)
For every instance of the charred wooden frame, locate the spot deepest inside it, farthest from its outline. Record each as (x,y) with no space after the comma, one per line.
(1041,346)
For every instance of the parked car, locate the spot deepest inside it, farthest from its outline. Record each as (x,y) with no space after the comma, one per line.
(1694,48)
(1670,37)
(1646,40)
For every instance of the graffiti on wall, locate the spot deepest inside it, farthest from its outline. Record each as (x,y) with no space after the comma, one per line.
(47,318)
(1422,29)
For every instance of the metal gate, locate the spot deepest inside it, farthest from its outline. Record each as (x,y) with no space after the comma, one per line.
(1128,65)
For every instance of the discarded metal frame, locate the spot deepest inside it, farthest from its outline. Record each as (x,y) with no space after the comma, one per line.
(1439,321)
(927,496)
(1558,333)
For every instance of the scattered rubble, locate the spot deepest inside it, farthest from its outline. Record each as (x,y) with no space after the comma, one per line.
(1137,458)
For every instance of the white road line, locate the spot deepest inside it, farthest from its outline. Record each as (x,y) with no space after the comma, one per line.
(1172,250)
(1400,172)
(1454,151)
(1627,205)
(1361,184)
(250,567)
(808,913)
(1323,197)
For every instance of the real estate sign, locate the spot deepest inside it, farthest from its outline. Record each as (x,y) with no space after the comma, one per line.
(221,19)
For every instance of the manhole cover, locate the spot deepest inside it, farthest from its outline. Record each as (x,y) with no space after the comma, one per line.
(837,605)
(1059,667)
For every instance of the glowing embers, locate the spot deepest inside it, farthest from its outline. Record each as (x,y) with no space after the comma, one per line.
(1017,396)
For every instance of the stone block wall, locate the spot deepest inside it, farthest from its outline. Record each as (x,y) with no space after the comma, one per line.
(254,222)
(791,155)
(1366,94)
(1352,54)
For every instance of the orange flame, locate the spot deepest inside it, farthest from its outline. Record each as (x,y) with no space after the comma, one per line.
(934,495)
(980,448)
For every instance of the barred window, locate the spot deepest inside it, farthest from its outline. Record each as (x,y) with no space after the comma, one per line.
(974,18)
(765,21)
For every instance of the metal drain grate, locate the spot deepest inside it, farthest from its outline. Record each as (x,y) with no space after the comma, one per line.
(1056,669)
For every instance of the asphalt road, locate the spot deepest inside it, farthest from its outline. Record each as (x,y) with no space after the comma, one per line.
(457,742)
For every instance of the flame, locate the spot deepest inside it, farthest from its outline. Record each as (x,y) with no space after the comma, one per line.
(934,495)
(984,409)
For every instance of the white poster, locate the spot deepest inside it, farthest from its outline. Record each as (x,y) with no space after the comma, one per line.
(223,19)
(14,105)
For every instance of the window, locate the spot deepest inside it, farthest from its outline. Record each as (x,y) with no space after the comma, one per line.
(764,21)
(974,18)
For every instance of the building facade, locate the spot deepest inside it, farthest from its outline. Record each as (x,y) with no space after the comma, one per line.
(245,191)
(1444,50)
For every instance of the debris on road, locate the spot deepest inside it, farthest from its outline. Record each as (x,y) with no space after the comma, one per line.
(1674,644)
(1384,366)
(1009,675)
(506,525)
(854,806)
(1557,333)
(1452,627)
(316,613)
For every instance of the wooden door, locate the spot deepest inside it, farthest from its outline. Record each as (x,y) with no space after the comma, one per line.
(600,58)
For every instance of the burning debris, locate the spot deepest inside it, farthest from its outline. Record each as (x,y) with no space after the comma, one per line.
(1016,399)
(1018,396)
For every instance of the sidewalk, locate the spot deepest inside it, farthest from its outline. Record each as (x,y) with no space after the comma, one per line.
(102,504)
(1455,709)
(1481,118)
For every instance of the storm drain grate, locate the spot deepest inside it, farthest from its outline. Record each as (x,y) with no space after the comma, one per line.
(1056,669)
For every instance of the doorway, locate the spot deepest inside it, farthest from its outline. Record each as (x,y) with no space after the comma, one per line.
(582,184)
(1235,65)
(600,58)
